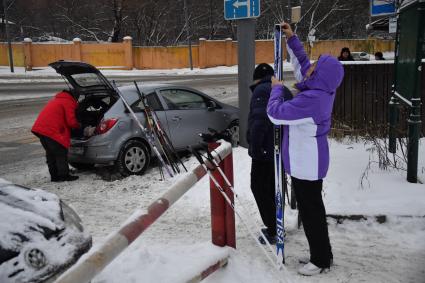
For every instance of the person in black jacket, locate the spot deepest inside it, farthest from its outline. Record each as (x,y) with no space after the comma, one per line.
(345,55)
(261,149)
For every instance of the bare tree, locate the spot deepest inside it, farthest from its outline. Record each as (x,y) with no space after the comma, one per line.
(161,22)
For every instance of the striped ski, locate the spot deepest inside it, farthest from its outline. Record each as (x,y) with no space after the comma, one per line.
(278,170)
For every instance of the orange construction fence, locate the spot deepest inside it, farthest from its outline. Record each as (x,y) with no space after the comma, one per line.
(207,53)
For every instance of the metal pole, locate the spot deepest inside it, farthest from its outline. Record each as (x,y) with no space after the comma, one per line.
(414,121)
(246,65)
(188,34)
(9,44)
(414,125)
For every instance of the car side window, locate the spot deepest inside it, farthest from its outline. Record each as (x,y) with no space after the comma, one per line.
(152,101)
(179,99)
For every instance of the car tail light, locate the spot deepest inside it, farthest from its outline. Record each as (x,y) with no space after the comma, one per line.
(105,125)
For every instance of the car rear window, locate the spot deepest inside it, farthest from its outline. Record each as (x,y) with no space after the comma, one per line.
(87,79)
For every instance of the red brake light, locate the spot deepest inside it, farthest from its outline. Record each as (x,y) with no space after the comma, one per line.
(105,125)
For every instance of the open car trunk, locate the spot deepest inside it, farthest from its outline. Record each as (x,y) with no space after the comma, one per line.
(90,111)
(97,95)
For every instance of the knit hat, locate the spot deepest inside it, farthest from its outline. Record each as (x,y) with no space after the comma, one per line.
(263,70)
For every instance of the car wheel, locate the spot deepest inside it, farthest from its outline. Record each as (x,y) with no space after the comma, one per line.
(81,166)
(234,132)
(133,158)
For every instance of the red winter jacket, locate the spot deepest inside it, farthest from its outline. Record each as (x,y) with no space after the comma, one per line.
(57,118)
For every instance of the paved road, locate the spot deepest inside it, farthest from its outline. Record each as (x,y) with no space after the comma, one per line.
(39,87)
(17,115)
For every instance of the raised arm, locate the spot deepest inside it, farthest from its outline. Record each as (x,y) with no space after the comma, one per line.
(299,59)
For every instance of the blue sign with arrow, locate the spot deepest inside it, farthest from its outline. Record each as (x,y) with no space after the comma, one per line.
(241,9)
(382,7)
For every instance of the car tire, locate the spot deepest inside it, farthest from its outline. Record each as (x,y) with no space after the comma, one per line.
(233,129)
(133,159)
(82,166)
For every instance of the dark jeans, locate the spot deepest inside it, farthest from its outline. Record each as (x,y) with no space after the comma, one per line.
(56,156)
(262,186)
(313,217)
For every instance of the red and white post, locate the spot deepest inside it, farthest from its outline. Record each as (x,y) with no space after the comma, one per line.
(222,214)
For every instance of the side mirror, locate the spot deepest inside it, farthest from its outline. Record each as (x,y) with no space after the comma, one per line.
(211,105)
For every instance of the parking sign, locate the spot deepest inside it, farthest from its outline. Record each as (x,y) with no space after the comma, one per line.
(241,9)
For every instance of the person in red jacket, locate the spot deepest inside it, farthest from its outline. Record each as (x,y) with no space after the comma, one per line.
(53,127)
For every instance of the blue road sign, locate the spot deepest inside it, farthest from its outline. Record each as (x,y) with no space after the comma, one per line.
(241,9)
(382,7)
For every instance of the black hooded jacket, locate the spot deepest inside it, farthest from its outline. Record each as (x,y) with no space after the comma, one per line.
(260,128)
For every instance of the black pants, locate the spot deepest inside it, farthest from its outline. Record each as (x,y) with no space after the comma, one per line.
(262,186)
(56,156)
(313,217)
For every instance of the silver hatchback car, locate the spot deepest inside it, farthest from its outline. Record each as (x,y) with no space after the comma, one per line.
(117,140)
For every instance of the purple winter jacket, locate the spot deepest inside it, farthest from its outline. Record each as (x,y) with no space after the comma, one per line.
(307,117)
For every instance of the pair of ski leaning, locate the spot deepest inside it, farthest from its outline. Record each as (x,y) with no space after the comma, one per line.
(155,135)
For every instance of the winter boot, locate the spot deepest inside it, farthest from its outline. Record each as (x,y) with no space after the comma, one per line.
(306,259)
(68,178)
(310,269)
(271,239)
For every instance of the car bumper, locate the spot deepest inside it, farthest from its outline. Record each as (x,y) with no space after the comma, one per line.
(91,153)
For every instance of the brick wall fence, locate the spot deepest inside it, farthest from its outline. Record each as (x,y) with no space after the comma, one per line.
(123,55)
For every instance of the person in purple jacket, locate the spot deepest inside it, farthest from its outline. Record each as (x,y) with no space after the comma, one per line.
(307,120)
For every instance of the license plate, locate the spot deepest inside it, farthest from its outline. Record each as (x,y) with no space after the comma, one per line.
(76,150)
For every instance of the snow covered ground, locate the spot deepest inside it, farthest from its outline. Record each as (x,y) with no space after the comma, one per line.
(178,245)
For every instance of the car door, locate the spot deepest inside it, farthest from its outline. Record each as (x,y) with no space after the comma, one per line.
(188,114)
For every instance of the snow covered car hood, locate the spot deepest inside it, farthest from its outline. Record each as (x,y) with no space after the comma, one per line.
(40,236)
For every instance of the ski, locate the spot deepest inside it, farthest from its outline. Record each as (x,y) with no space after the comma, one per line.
(149,135)
(278,170)
(168,148)
(153,128)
